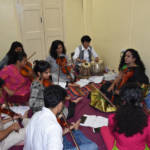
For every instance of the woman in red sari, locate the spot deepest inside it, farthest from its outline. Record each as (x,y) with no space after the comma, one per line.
(17,87)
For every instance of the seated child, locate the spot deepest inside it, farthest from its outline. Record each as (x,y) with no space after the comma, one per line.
(36,101)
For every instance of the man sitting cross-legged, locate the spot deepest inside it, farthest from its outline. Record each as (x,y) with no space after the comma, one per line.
(44,132)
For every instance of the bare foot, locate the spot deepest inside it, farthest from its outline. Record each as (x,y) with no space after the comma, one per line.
(68,98)
(74,84)
(77,100)
(3,106)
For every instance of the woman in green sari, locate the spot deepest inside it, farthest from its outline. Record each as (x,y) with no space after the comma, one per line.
(131,69)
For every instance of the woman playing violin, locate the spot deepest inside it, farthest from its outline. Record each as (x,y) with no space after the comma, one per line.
(131,70)
(57,51)
(17,87)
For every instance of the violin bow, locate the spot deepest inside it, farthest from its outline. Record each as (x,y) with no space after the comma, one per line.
(103,95)
(58,73)
(31,55)
(73,138)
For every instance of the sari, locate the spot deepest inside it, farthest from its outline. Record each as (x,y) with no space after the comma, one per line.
(130,75)
(17,83)
(115,147)
(138,141)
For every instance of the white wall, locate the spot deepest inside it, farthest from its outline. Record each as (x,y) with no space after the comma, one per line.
(73,23)
(9,29)
(9,26)
(111,29)
(121,24)
(141,30)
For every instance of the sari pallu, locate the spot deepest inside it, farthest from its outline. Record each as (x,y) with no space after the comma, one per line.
(100,102)
(17,83)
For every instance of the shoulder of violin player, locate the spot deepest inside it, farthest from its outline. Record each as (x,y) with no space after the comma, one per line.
(36,84)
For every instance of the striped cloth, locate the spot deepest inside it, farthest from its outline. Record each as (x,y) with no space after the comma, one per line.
(75,92)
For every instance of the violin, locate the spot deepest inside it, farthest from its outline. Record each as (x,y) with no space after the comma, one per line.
(65,68)
(63,122)
(126,75)
(27,71)
(62,62)
(9,112)
(47,82)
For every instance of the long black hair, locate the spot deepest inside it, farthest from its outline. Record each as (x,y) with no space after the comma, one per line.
(135,55)
(40,66)
(54,47)
(130,118)
(18,56)
(14,45)
(11,53)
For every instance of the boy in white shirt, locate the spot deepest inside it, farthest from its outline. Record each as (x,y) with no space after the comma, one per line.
(85,52)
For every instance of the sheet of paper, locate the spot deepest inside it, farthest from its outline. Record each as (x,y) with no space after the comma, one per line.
(110,76)
(83,82)
(96,79)
(62,84)
(95,121)
(20,109)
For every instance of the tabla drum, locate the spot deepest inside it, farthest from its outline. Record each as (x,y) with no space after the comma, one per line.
(97,67)
(85,69)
